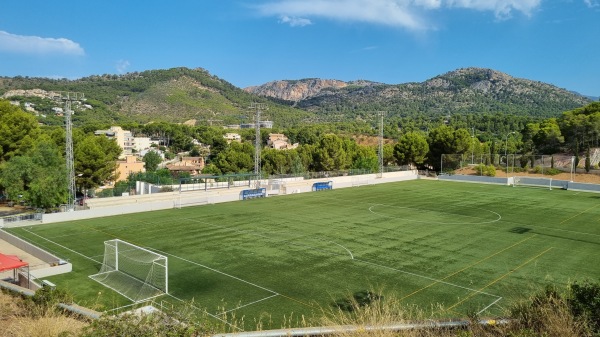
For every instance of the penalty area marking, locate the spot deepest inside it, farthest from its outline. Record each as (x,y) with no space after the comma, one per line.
(216,271)
(348,250)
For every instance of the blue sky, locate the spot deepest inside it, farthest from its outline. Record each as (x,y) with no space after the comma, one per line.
(250,42)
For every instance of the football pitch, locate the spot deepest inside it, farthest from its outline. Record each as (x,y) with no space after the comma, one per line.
(459,247)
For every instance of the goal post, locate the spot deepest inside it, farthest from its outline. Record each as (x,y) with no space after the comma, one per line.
(134,272)
(532,182)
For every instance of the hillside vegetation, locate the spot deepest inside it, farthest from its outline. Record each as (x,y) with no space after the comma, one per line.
(173,95)
(471,96)
(463,91)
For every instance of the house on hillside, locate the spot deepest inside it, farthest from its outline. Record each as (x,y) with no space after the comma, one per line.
(128,166)
(232,137)
(191,165)
(279,141)
(124,139)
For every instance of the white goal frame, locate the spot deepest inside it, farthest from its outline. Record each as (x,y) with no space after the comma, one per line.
(532,182)
(141,285)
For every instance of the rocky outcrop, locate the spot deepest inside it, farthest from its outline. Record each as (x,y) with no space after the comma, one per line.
(300,89)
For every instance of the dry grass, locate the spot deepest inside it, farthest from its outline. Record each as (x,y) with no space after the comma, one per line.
(20,320)
(549,317)
(546,315)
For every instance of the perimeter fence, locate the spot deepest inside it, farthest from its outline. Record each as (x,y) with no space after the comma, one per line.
(510,164)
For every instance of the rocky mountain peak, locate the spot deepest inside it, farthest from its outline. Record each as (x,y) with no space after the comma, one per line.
(298,90)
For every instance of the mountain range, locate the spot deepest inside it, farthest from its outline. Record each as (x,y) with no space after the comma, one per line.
(180,94)
(463,91)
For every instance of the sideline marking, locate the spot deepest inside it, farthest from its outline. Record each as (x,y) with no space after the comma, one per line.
(501,277)
(69,249)
(578,214)
(467,267)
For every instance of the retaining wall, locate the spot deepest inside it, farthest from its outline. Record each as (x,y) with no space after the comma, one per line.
(103,207)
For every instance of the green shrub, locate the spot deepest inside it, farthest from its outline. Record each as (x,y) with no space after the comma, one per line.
(486,170)
(584,302)
(552,171)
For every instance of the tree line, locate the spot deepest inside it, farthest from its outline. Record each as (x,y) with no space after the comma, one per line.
(32,156)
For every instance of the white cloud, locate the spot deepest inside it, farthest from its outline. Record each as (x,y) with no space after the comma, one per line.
(409,14)
(386,12)
(122,66)
(502,8)
(38,45)
(592,3)
(294,21)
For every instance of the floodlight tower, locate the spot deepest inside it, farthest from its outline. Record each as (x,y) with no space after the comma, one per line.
(381,114)
(258,107)
(69,97)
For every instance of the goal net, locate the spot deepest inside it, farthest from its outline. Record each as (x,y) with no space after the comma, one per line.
(532,182)
(134,272)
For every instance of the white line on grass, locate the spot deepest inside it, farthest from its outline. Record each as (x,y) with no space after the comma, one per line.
(69,249)
(215,270)
(208,313)
(486,308)
(499,217)
(348,250)
(216,317)
(248,304)
(426,277)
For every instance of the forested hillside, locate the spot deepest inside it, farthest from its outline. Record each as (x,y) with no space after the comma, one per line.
(461,92)
(173,95)
(484,99)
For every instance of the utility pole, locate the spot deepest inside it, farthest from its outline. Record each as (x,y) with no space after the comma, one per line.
(258,107)
(68,97)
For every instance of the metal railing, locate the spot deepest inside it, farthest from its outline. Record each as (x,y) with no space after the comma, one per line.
(22,217)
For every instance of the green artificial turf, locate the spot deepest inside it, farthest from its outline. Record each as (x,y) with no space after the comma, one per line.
(471,248)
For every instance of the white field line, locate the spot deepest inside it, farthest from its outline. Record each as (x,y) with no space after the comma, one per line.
(348,250)
(251,303)
(358,260)
(216,271)
(491,304)
(208,313)
(69,249)
(499,217)
(250,232)
(278,241)
(89,258)
(427,278)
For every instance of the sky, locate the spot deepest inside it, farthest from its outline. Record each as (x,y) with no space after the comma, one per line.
(251,42)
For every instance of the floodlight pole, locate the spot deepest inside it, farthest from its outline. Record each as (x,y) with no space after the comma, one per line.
(258,107)
(68,97)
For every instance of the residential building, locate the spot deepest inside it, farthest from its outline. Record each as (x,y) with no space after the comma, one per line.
(191,165)
(124,139)
(127,166)
(232,137)
(279,141)
(142,143)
